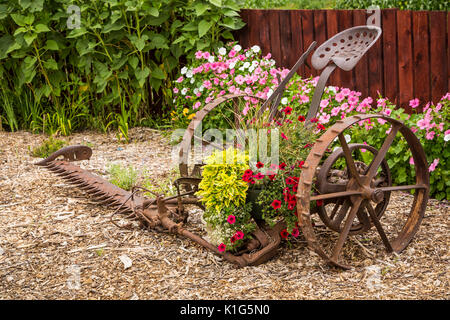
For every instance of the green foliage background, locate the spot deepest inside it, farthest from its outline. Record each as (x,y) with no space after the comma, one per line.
(115,70)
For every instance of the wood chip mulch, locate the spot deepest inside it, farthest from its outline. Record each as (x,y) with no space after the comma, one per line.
(55,243)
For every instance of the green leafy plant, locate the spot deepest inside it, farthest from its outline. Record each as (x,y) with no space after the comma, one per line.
(124,177)
(227,216)
(115,70)
(47,147)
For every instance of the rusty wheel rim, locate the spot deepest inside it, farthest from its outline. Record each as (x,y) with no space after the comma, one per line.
(358,189)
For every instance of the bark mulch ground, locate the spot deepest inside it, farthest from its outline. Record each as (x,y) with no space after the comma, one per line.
(55,243)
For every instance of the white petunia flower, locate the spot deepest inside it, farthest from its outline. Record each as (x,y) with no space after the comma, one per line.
(347,138)
(251,69)
(211,59)
(192,81)
(256,49)
(196,91)
(248,53)
(184,91)
(231,65)
(269,93)
(201,88)
(184,70)
(447,137)
(255,63)
(189,74)
(284,100)
(246,64)
(237,48)
(222,51)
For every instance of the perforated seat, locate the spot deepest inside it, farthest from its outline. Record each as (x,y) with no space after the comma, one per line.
(346,48)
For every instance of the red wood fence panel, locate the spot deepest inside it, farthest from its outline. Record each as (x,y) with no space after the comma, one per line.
(410,60)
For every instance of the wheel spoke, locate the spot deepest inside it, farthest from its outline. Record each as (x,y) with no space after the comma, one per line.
(373,167)
(337,205)
(344,233)
(400,188)
(363,217)
(341,214)
(335,195)
(377,224)
(349,160)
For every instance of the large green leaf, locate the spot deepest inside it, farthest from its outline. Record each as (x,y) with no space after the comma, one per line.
(141,75)
(203,27)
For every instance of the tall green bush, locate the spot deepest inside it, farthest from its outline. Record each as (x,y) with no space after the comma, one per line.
(115,68)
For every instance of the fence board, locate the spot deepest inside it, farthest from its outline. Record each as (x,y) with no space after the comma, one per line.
(421,45)
(438,61)
(308,36)
(362,68)
(405,58)
(286,39)
(390,62)
(297,37)
(320,31)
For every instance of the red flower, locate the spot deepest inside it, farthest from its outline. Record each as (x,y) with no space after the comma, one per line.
(276,204)
(313,120)
(301,118)
(233,239)
(282,166)
(272,177)
(231,219)
(295,233)
(319,203)
(259,165)
(287,110)
(320,126)
(292,180)
(291,205)
(300,165)
(258,176)
(239,235)
(284,136)
(284,234)
(221,247)
(248,172)
(308,145)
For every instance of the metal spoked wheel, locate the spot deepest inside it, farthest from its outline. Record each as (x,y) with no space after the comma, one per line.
(395,231)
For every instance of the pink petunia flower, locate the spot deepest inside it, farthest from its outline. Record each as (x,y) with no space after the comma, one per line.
(239,235)
(414,103)
(221,247)
(433,166)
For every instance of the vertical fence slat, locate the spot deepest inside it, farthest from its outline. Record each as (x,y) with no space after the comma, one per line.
(421,57)
(332,29)
(390,64)
(448,51)
(438,61)
(405,58)
(320,31)
(274,22)
(345,21)
(375,58)
(253,30)
(297,37)
(286,39)
(264,35)
(361,69)
(308,36)
(242,35)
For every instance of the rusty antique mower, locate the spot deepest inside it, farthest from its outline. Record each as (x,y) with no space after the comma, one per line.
(355,198)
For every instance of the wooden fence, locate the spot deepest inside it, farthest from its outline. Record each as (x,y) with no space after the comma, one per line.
(410,60)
